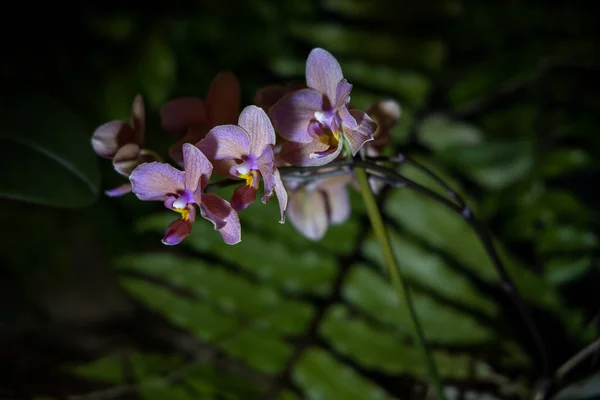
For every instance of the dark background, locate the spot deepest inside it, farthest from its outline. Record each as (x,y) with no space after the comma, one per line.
(498,97)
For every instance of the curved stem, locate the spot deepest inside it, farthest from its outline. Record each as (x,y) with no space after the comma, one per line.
(395,179)
(400,284)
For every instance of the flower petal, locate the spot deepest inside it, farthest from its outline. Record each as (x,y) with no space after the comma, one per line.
(180,115)
(156,181)
(255,121)
(232,231)
(138,119)
(281,193)
(223,99)
(223,217)
(242,197)
(364,132)
(323,73)
(269,95)
(108,138)
(266,163)
(127,158)
(227,142)
(338,200)
(215,209)
(177,231)
(292,114)
(386,114)
(308,213)
(197,167)
(119,190)
(309,154)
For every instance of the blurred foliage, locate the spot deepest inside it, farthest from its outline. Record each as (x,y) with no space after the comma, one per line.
(495,97)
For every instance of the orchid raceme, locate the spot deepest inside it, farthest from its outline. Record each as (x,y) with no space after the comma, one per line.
(245,151)
(317,120)
(122,142)
(182,192)
(188,119)
(315,206)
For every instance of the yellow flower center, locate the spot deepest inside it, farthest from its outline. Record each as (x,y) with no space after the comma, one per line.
(250,176)
(185,212)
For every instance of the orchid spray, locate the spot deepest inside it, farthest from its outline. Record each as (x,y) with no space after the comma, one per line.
(307,146)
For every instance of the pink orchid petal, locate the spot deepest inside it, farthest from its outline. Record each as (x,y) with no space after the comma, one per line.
(364,132)
(255,121)
(225,142)
(269,95)
(108,138)
(215,209)
(281,193)
(180,115)
(156,181)
(265,166)
(177,231)
(223,99)
(342,94)
(138,118)
(310,154)
(223,217)
(323,73)
(292,114)
(196,166)
(127,158)
(242,197)
(386,114)
(337,198)
(119,190)
(308,213)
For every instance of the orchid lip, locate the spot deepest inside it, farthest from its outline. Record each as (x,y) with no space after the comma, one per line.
(184,199)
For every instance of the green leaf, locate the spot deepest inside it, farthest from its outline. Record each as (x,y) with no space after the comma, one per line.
(324,378)
(588,388)
(47,155)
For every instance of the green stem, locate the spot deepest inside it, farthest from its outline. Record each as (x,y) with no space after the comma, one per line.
(400,284)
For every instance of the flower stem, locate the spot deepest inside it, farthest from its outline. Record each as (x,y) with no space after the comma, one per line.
(400,284)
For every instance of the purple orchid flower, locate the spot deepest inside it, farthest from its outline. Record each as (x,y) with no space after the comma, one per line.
(314,207)
(245,151)
(122,143)
(316,121)
(189,119)
(386,114)
(182,191)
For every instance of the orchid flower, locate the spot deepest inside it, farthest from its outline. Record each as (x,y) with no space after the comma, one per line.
(386,114)
(182,192)
(316,121)
(267,96)
(315,206)
(188,119)
(245,151)
(122,142)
